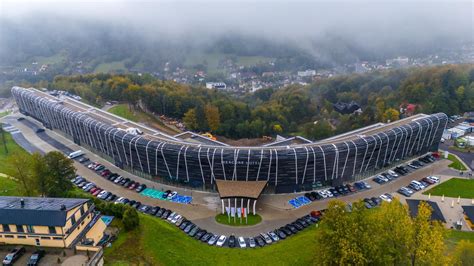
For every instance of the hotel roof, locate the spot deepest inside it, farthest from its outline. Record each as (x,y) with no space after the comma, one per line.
(36,211)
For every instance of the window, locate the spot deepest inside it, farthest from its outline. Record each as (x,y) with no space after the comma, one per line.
(30,229)
(9,236)
(37,242)
(57,238)
(6,227)
(21,236)
(19,228)
(45,237)
(82,210)
(73,220)
(52,229)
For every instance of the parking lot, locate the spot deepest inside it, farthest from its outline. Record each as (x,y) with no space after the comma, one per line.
(50,258)
(274,209)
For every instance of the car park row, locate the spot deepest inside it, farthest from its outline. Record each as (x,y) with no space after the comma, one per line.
(18,252)
(266,238)
(180,221)
(380,179)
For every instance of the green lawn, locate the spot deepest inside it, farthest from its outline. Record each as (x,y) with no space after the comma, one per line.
(455,236)
(158,242)
(454,188)
(8,187)
(251,220)
(2,114)
(456,164)
(122,110)
(12,148)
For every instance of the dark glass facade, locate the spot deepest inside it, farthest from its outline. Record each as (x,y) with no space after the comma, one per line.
(286,168)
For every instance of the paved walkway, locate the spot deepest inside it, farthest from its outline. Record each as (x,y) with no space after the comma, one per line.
(274,209)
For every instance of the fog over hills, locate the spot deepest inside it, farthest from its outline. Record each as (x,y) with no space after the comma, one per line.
(327,31)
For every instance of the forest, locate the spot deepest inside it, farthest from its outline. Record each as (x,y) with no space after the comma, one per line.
(294,110)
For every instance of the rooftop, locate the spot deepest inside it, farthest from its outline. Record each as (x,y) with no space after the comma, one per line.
(36,211)
(240,189)
(436,214)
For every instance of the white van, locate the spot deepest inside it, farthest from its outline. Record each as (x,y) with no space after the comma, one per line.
(75,154)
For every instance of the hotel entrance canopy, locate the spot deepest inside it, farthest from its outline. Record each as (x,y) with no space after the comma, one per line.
(235,192)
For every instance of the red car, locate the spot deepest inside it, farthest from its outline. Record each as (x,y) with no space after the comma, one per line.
(93,190)
(105,173)
(134,185)
(97,192)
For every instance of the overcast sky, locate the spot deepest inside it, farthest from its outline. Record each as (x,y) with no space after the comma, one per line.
(367,22)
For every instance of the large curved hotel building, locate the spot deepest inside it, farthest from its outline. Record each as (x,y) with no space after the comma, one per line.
(287,166)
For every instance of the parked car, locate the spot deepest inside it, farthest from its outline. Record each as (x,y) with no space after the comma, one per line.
(260,241)
(84,160)
(13,255)
(273,236)
(231,243)
(265,237)
(189,228)
(172,195)
(36,257)
(392,173)
(241,241)
(251,242)
(434,178)
(385,198)
(205,238)
(213,240)
(194,231)
(140,188)
(220,242)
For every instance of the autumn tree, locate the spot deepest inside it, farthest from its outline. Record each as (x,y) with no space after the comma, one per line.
(190,119)
(212,117)
(382,236)
(21,170)
(463,254)
(391,115)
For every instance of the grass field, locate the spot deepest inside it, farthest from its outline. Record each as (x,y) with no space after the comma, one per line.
(251,220)
(110,67)
(454,188)
(158,242)
(455,236)
(124,111)
(12,148)
(2,114)
(456,164)
(8,187)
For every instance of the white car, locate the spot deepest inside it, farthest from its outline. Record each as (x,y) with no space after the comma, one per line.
(273,236)
(330,195)
(392,173)
(418,184)
(367,185)
(251,242)
(434,179)
(385,198)
(383,178)
(172,194)
(267,239)
(242,243)
(102,194)
(175,219)
(322,194)
(119,200)
(172,215)
(118,179)
(221,241)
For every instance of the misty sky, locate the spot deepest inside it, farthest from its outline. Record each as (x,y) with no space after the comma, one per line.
(370,23)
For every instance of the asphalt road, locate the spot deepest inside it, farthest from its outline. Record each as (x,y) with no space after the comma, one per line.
(468,158)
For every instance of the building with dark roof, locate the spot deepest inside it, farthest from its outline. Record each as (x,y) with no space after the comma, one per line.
(287,166)
(436,214)
(48,222)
